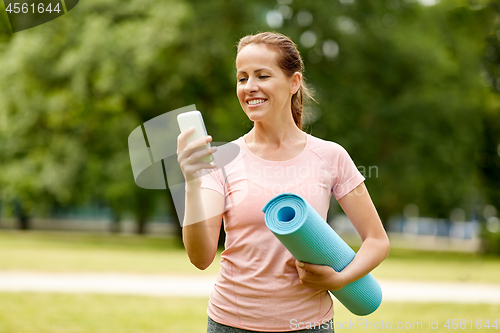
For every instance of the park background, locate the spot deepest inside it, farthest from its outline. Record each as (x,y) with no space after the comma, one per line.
(409,88)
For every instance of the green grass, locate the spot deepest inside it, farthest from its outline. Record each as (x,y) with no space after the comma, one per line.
(75,252)
(439,266)
(87,313)
(414,313)
(82,313)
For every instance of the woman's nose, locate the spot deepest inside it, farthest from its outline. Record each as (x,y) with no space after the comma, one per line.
(251,86)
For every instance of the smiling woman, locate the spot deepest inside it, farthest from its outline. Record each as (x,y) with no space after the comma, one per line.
(264,90)
(260,286)
(278,55)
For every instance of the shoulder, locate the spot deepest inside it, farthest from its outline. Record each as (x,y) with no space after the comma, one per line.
(327,150)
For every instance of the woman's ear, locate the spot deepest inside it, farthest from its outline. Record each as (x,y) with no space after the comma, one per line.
(296,82)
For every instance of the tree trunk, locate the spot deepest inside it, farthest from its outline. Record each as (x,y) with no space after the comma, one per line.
(116,226)
(23,219)
(24,222)
(141,225)
(144,207)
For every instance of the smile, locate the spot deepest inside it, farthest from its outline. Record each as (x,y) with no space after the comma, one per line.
(256,101)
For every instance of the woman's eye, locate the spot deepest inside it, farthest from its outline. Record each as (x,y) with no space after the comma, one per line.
(263,77)
(243,79)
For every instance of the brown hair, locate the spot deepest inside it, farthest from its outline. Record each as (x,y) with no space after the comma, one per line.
(289,61)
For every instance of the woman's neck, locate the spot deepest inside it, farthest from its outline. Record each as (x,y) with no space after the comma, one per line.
(274,135)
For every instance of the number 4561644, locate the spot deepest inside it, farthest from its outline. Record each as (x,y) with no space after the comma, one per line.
(463,324)
(25,8)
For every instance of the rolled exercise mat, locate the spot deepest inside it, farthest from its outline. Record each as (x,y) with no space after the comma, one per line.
(310,239)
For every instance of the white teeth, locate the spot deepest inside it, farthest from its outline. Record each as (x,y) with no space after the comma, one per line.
(255,101)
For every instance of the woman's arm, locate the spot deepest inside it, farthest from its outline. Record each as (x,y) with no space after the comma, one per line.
(359,207)
(201,226)
(203,207)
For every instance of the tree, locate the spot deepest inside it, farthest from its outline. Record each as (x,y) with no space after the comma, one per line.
(488,156)
(72,91)
(399,85)
(74,88)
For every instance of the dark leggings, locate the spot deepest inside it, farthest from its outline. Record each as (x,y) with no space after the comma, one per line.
(214,327)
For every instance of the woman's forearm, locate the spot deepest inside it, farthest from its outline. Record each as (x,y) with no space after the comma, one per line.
(359,207)
(200,230)
(199,234)
(371,253)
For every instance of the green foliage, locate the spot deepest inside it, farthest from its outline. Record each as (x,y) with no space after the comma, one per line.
(488,154)
(488,157)
(72,91)
(405,94)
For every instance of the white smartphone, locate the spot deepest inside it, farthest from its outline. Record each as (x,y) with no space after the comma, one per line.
(194,119)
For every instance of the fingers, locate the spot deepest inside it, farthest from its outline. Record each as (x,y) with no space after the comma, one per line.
(320,276)
(301,269)
(191,153)
(197,154)
(182,140)
(199,142)
(304,266)
(192,169)
(193,156)
(314,276)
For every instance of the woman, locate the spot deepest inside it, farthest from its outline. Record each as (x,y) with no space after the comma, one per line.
(261,287)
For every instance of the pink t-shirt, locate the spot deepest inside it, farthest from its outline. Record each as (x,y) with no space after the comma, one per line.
(258,287)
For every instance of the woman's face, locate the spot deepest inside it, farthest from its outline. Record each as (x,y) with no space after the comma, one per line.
(263,89)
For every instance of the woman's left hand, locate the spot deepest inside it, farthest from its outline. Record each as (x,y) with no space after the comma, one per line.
(319,276)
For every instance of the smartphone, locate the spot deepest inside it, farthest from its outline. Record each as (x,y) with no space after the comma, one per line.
(194,119)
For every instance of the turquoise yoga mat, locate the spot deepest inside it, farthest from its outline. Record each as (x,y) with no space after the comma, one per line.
(310,239)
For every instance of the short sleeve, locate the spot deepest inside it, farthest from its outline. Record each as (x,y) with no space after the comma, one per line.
(213,179)
(347,174)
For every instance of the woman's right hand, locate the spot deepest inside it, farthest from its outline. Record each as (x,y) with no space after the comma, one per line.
(189,157)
